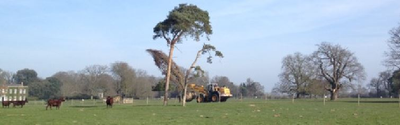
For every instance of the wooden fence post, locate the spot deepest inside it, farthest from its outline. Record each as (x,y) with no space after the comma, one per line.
(358,101)
(266,97)
(293,99)
(241,97)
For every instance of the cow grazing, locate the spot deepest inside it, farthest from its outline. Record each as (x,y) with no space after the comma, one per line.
(55,102)
(20,103)
(109,101)
(6,104)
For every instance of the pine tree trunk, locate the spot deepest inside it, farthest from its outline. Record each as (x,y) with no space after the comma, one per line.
(171,51)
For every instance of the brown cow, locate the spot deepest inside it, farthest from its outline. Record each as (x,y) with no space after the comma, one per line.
(20,103)
(109,101)
(6,104)
(55,102)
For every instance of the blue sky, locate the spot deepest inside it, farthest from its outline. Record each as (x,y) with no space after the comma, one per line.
(254,35)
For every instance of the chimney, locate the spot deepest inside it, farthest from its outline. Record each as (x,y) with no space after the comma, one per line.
(22,83)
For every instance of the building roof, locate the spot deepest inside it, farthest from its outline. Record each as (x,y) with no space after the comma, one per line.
(14,85)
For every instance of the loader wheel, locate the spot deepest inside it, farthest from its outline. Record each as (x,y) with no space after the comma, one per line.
(200,99)
(215,97)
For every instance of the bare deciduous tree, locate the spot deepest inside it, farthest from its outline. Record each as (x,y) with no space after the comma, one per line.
(124,76)
(381,84)
(336,65)
(72,84)
(92,77)
(297,73)
(376,83)
(143,84)
(393,55)
(105,85)
(251,88)
(281,88)
(385,76)
(6,77)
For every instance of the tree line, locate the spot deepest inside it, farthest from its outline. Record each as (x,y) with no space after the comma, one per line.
(118,79)
(387,83)
(334,70)
(330,68)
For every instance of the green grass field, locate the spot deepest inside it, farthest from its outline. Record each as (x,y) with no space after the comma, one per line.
(234,112)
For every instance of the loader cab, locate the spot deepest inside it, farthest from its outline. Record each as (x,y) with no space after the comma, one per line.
(212,87)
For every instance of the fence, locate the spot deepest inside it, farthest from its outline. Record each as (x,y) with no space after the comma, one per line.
(101,102)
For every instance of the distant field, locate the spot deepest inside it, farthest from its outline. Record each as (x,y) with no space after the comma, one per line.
(232,112)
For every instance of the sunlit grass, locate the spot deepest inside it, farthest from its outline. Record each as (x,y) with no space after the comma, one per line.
(247,111)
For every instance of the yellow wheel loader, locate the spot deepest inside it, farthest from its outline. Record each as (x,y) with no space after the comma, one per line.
(212,93)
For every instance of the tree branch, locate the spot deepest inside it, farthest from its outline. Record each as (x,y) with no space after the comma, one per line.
(176,37)
(327,88)
(326,75)
(166,38)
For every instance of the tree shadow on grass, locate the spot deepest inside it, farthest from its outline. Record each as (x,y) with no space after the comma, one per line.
(371,101)
(169,105)
(88,106)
